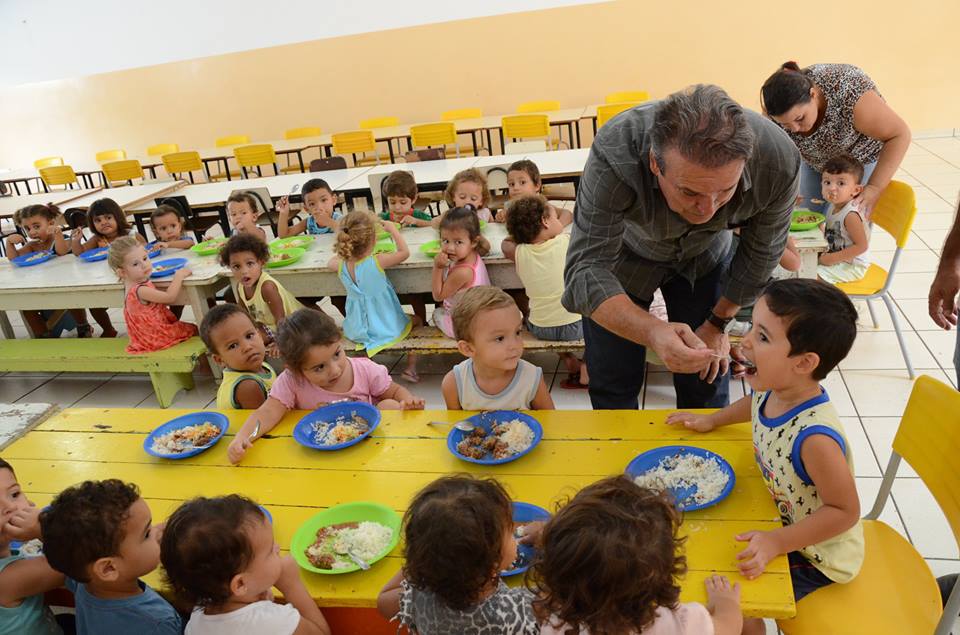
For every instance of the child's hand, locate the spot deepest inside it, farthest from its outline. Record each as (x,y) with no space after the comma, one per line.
(283,206)
(16,239)
(691,421)
(391,228)
(180,274)
(289,575)
(238,448)
(501,216)
(531,532)
(160,245)
(23,525)
(413,403)
(273,350)
(762,547)
(441,261)
(408,220)
(77,234)
(720,592)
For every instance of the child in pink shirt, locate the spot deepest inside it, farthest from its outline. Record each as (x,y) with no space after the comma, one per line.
(609,562)
(318,373)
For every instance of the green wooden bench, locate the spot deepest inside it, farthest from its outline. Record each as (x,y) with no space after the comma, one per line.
(170,369)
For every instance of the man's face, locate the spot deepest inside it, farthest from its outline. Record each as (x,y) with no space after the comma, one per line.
(693,191)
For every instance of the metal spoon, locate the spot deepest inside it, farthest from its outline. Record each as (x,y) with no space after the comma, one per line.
(357,560)
(463,426)
(256,431)
(743,362)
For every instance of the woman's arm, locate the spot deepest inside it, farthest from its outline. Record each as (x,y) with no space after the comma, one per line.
(874,118)
(165,296)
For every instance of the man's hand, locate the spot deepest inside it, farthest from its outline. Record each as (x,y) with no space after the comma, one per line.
(718,342)
(942,300)
(679,348)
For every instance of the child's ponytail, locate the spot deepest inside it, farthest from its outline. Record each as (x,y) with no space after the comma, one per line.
(357,232)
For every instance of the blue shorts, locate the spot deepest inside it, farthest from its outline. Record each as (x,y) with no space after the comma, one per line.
(805,577)
(564,333)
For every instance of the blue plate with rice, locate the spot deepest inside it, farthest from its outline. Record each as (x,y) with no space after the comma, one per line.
(696,478)
(35,258)
(485,446)
(524,513)
(95,255)
(337,426)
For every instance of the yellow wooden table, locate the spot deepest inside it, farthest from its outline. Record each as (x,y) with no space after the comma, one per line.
(401,456)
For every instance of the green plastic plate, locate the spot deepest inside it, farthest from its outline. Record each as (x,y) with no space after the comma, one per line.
(345,513)
(430,249)
(800,220)
(290,256)
(209,247)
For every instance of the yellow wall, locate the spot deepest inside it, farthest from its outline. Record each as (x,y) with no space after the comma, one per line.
(574,54)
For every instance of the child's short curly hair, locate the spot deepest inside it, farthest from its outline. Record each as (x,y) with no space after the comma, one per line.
(525,220)
(205,544)
(453,537)
(302,329)
(85,523)
(609,558)
(241,243)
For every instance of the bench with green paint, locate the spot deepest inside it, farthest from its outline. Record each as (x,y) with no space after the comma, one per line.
(429,339)
(170,369)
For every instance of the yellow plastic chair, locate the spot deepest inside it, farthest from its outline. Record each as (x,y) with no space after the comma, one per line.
(461,113)
(161,149)
(526,127)
(299,133)
(119,171)
(256,156)
(538,106)
(111,155)
(606,112)
(894,212)
(176,163)
(46,162)
(379,122)
(430,135)
(58,175)
(356,142)
(232,140)
(627,95)
(895,592)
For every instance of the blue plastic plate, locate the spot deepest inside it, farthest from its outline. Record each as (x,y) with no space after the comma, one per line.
(304,433)
(486,420)
(152,250)
(95,255)
(168,267)
(651,459)
(28,260)
(194,418)
(525,513)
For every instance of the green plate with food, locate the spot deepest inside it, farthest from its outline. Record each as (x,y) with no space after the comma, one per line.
(430,249)
(346,538)
(209,247)
(292,242)
(385,246)
(284,257)
(803,219)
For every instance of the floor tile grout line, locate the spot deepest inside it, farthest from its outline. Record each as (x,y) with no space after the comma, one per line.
(44,383)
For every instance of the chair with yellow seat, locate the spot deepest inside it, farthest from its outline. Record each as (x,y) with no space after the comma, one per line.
(46,162)
(894,212)
(111,155)
(119,171)
(161,149)
(256,156)
(178,163)
(895,592)
(356,142)
(527,127)
(435,135)
(627,95)
(58,175)
(466,113)
(538,106)
(606,112)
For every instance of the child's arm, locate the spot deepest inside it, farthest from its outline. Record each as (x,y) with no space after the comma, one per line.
(565,216)
(724,605)
(388,602)
(449,389)
(509,248)
(249,394)
(737,412)
(790,260)
(402,252)
(60,245)
(272,297)
(26,577)
(858,234)
(456,279)
(168,295)
(312,621)
(542,400)
(182,243)
(283,221)
(827,468)
(268,415)
(418,219)
(11,245)
(405,400)
(334,264)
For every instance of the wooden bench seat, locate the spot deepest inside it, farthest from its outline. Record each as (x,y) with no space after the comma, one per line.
(430,339)
(170,369)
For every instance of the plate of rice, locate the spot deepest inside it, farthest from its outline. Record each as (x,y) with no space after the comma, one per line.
(186,436)
(367,530)
(803,219)
(500,436)
(35,258)
(209,247)
(292,242)
(337,426)
(284,257)
(523,514)
(696,478)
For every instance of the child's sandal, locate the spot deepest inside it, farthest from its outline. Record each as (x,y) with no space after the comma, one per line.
(410,376)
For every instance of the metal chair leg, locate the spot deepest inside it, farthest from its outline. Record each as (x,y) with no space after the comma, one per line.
(896,327)
(873,316)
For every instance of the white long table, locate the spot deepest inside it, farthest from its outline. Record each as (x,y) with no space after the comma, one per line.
(10,204)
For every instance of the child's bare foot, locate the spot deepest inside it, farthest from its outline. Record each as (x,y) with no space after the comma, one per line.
(410,376)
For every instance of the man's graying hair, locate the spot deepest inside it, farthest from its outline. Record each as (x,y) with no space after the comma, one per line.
(704,125)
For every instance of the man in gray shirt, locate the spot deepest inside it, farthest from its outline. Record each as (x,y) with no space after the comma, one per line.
(663,187)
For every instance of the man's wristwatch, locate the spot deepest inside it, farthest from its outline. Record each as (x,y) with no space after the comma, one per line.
(719,322)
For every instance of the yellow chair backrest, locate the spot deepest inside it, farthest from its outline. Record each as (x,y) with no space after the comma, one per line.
(125,170)
(58,175)
(461,113)
(299,133)
(46,162)
(232,140)
(606,112)
(929,439)
(379,122)
(525,126)
(162,148)
(895,211)
(111,155)
(254,155)
(433,134)
(177,162)
(538,106)
(353,142)
(627,95)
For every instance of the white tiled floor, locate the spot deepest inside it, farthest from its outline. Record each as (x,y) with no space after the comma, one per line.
(869,389)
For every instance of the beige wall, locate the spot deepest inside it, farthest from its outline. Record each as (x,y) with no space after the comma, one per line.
(572,54)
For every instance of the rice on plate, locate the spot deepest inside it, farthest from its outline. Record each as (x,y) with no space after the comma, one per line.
(697,479)
(365,540)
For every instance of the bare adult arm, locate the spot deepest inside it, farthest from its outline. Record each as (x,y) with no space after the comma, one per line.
(942,301)
(874,118)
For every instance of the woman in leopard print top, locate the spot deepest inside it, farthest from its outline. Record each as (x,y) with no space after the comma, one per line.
(834,109)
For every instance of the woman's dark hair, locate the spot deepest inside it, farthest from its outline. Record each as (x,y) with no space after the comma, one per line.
(466,218)
(609,558)
(108,207)
(49,212)
(526,218)
(205,544)
(302,329)
(244,242)
(788,86)
(453,537)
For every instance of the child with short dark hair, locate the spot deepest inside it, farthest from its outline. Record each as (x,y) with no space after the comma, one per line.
(458,537)
(242,212)
(318,372)
(523,179)
(801,330)
(609,562)
(220,555)
(319,201)
(237,345)
(494,376)
(846,230)
(400,188)
(100,534)
(168,228)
